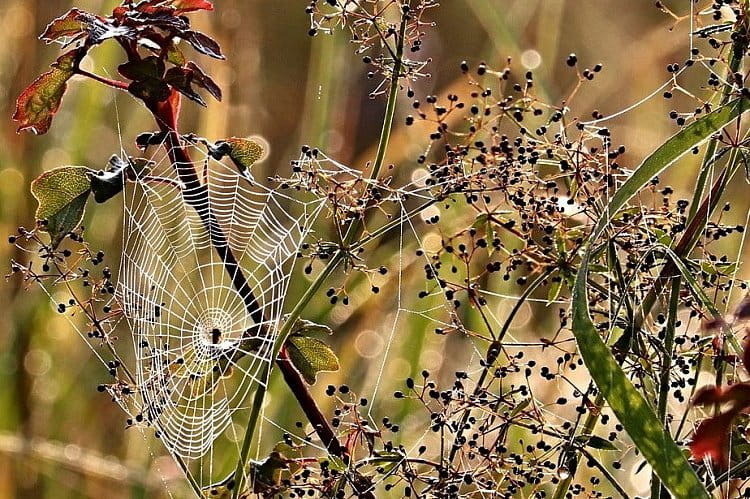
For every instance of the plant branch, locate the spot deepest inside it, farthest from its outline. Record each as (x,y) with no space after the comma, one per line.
(336,259)
(119,85)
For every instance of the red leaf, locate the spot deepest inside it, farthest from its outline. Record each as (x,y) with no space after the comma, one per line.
(201,79)
(37,105)
(742,312)
(191,5)
(711,439)
(203,44)
(738,394)
(69,24)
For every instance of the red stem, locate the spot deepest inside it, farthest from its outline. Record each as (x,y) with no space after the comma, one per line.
(120,85)
(167,114)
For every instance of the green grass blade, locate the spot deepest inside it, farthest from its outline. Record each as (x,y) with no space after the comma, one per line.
(630,407)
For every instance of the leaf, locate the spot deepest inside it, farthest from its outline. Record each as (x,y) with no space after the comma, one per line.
(38,104)
(201,79)
(191,5)
(203,44)
(306,328)
(175,55)
(67,25)
(635,414)
(596,442)
(145,69)
(311,356)
(387,460)
(181,79)
(147,81)
(711,439)
(62,194)
(243,152)
(554,290)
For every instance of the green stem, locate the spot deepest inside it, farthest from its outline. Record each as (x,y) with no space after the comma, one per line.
(735,60)
(588,428)
(492,352)
(239,473)
(337,258)
(657,490)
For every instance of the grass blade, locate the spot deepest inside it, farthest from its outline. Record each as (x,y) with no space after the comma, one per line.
(630,407)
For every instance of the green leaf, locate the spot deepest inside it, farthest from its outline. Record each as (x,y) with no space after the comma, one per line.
(386,460)
(554,291)
(175,55)
(38,104)
(304,327)
(243,152)
(630,407)
(596,442)
(62,194)
(311,356)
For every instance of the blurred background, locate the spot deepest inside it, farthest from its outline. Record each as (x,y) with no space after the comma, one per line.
(58,436)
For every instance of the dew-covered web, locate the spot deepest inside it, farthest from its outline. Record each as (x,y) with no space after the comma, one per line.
(201,341)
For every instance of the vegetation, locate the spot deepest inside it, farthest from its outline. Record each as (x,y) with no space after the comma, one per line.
(533,310)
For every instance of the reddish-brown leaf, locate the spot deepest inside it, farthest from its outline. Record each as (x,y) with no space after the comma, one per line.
(738,395)
(201,79)
(742,312)
(191,5)
(746,356)
(181,79)
(69,24)
(203,44)
(711,439)
(37,105)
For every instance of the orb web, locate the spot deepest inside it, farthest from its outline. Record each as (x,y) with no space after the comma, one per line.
(204,273)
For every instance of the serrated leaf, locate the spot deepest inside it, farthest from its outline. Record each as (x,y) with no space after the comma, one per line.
(630,407)
(243,152)
(203,44)
(38,104)
(62,194)
(69,25)
(311,356)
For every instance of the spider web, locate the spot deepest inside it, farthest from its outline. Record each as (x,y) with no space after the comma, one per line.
(201,342)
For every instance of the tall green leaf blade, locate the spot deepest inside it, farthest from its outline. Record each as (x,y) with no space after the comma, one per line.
(633,411)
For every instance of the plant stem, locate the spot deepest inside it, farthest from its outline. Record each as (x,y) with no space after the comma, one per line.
(657,490)
(588,427)
(167,120)
(492,353)
(322,427)
(119,85)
